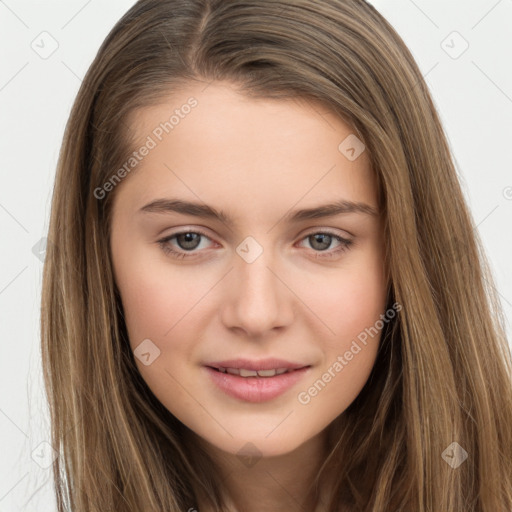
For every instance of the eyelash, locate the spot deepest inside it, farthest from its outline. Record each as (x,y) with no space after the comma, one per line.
(167,249)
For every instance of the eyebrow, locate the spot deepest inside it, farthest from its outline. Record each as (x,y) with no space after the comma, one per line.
(205,211)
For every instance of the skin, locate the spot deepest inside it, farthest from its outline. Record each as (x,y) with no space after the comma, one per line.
(254,159)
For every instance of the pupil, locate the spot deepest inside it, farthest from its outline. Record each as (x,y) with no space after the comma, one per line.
(189,240)
(322,238)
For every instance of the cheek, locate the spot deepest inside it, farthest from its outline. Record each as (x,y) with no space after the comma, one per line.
(161,305)
(349,308)
(348,300)
(158,299)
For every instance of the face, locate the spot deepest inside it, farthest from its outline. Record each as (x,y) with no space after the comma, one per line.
(255,269)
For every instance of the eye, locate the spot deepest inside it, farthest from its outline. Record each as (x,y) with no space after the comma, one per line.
(189,241)
(320,241)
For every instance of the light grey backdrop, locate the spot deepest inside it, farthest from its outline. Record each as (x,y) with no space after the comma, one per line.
(464,49)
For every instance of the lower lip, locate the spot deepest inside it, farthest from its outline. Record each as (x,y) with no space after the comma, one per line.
(256,389)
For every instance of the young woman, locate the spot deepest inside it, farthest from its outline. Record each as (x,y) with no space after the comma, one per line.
(265,291)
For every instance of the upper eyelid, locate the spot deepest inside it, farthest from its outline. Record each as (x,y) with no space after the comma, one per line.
(183,231)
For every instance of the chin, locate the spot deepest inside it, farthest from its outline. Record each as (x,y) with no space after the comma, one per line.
(251,447)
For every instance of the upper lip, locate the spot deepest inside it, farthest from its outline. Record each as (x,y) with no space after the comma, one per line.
(262,364)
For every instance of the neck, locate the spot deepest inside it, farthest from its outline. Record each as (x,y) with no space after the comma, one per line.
(283,482)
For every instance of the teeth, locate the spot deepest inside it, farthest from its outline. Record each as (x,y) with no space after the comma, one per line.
(266,373)
(248,373)
(242,372)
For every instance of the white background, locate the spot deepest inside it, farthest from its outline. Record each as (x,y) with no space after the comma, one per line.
(473,94)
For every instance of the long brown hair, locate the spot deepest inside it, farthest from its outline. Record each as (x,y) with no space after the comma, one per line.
(443,374)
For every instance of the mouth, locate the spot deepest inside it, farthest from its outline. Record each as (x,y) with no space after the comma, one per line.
(255,385)
(246,373)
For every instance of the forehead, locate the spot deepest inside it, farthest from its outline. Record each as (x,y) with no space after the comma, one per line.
(210,142)
(220,110)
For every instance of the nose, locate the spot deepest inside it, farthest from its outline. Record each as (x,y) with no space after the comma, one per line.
(257,299)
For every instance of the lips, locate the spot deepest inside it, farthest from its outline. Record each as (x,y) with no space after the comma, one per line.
(255,365)
(255,388)
(243,372)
